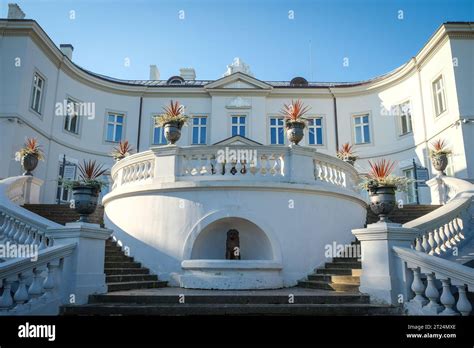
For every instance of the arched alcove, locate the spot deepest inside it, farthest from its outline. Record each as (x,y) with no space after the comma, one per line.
(211,242)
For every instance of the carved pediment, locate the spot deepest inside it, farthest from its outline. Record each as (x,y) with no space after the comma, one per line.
(239,103)
(238,81)
(237,140)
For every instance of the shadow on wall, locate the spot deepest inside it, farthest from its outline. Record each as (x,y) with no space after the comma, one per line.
(211,242)
(156,260)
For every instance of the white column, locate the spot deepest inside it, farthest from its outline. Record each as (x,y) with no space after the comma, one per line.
(383,274)
(438,190)
(300,165)
(32,190)
(83,273)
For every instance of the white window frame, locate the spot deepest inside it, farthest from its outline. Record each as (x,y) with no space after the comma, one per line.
(408,118)
(410,199)
(38,109)
(115,123)
(437,92)
(245,116)
(276,127)
(315,127)
(66,127)
(199,126)
(354,126)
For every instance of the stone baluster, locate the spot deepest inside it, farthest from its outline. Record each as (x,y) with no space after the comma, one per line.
(13,229)
(458,225)
(31,236)
(426,246)
(43,244)
(3,218)
(6,301)
(50,281)
(18,232)
(463,306)
(432,243)
(437,240)
(418,288)
(4,228)
(443,238)
(21,294)
(25,234)
(419,244)
(452,232)
(432,293)
(447,298)
(36,287)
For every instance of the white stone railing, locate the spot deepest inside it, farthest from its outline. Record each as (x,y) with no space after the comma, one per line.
(47,265)
(446,227)
(168,164)
(435,283)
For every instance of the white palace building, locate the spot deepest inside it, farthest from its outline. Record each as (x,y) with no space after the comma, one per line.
(169,209)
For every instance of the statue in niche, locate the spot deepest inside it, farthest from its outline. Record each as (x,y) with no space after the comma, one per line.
(232,245)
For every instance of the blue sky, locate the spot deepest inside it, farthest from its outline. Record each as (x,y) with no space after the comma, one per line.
(369,33)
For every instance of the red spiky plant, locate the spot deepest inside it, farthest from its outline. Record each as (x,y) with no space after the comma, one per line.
(173,113)
(31,147)
(381,169)
(346,152)
(294,112)
(91,171)
(122,150)
(439,147)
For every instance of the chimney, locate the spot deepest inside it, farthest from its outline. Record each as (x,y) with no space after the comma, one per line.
(187,73)
(154,73)
(15,12)
(67,49)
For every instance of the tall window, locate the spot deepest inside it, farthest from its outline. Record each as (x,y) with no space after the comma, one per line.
(411,189)
(361,129)
(199,130)
(315,127)
(71,121)
(238,125)
(277,131)
(37,95)
(114,127)
(404,116)
(159,136)
(439,96)
(67,171)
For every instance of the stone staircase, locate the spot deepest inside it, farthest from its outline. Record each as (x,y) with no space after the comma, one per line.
(123,273)
(343,273)
(406,213)
(62,213)
(185,302)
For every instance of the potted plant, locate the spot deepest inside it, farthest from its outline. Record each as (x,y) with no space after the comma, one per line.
(439,155)
(381,185)
(172,120)
(122,150)
(295,123)
(85,190)
(29,155)
(347,154)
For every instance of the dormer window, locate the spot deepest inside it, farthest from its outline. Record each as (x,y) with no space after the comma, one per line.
(175,80)
(299,82)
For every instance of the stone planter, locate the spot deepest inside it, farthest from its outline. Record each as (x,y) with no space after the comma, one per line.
(29,163)
(85,200)
(349,159)
(382,201)
(172,132)
(295,132)
(440,162)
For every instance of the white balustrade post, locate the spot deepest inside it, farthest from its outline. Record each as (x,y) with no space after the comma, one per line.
(83,272)
(32,190)
(384,276)
(299,165)
(438,190)
(167,162)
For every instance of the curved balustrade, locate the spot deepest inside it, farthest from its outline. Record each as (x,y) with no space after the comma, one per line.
(234,163)
(435,282)
(447,226)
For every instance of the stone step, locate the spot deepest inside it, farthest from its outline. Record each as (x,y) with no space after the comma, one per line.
(123,265)
(121,286)
(126,278)
(230,309)
(118,258)
(345,259)
(335,278)
(116,271)
(351,265)
(334,271)
(222,298)
(314,284)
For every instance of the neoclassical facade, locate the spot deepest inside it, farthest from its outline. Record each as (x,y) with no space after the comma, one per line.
(396,115)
